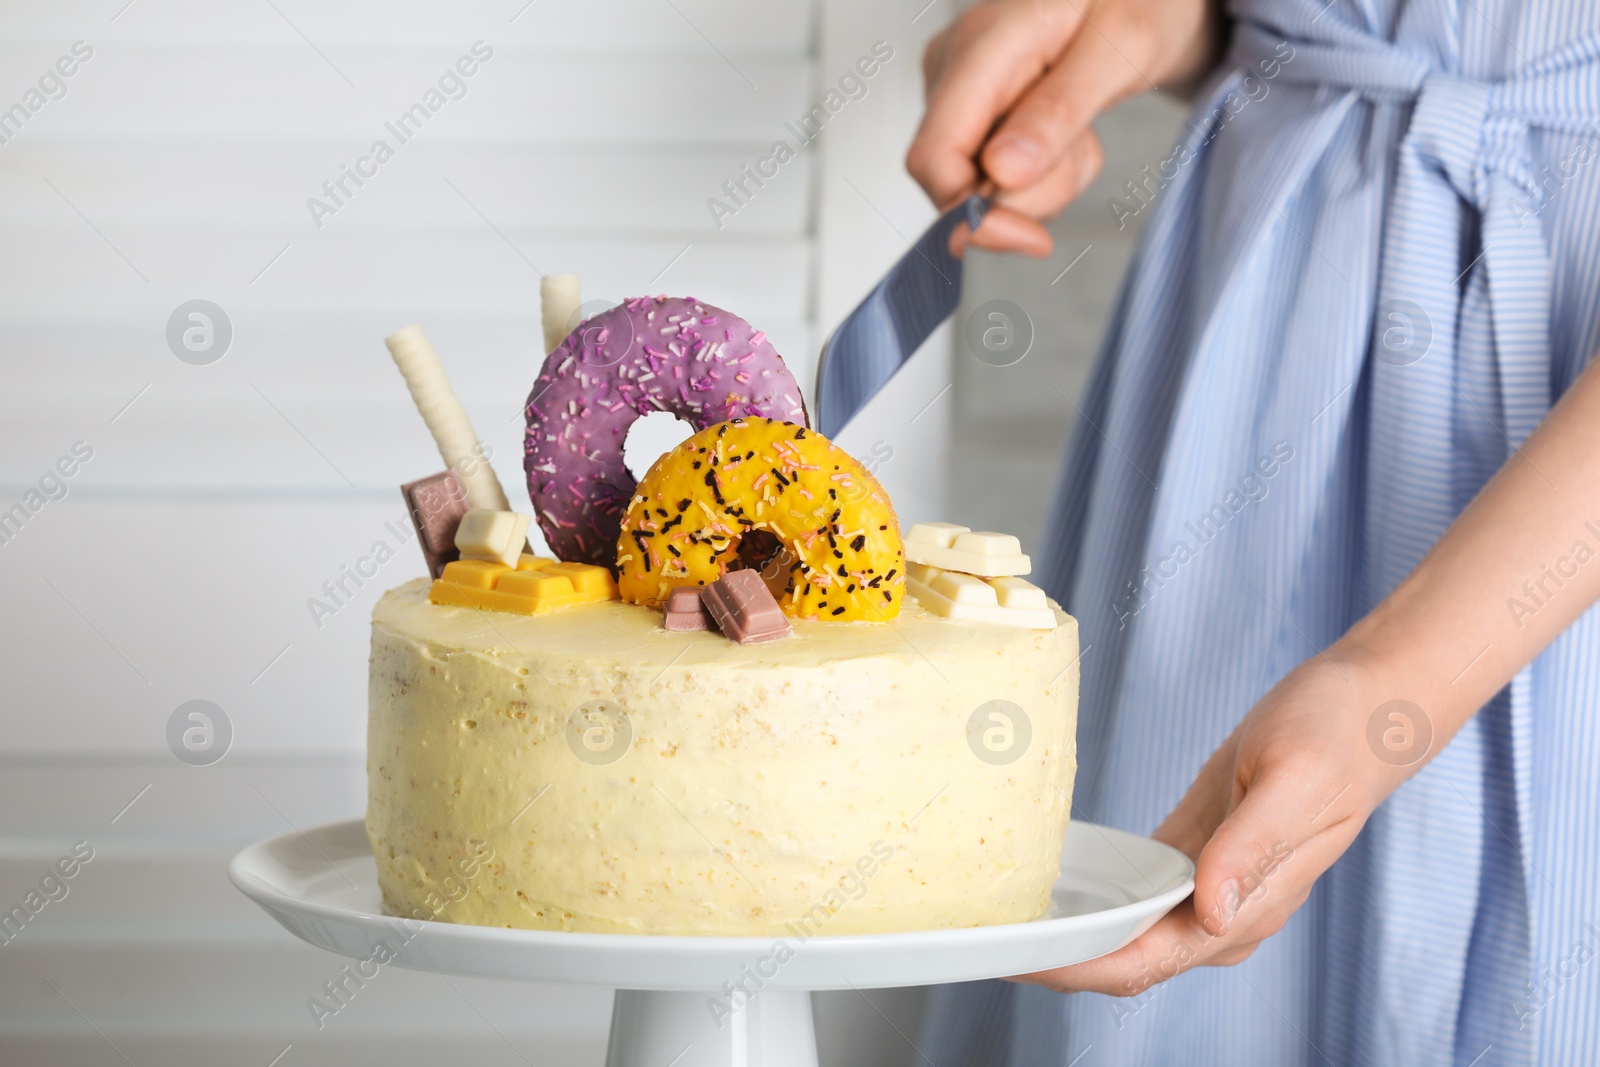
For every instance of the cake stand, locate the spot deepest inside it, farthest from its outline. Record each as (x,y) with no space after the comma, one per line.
(715,1001)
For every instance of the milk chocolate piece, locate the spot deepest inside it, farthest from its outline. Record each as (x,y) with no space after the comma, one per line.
(685,611)
(436,505)
(743,608)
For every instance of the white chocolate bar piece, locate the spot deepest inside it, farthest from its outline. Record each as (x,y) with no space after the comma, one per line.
(957,548)
(937,534)
(495,536)
(1017,593)
(1006,600)
(559,300)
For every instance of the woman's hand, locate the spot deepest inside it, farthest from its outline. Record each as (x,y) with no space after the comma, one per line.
(1013,86)
(1271,810)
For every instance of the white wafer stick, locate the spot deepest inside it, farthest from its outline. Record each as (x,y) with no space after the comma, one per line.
(559,300)
(446,418)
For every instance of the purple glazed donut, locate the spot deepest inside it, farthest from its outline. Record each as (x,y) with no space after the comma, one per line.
(660,353)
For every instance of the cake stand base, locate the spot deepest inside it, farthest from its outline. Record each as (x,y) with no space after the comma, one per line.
(654,1029)
(674,1007)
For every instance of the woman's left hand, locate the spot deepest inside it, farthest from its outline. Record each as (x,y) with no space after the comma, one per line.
(1273,807)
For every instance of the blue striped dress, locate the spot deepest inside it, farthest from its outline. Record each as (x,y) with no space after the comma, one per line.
(1373,261)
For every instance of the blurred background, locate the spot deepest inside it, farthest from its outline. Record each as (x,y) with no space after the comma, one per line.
(216,486)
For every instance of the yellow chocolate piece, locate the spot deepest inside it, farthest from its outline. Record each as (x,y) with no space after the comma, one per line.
(843,557)
(473,573)
(537,585)
(590,582)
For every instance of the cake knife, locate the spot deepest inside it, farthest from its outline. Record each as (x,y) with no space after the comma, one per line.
(880,335)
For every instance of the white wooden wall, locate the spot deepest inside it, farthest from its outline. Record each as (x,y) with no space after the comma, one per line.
(219,498)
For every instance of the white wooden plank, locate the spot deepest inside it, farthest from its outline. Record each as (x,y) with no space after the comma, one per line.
(131,804)
(71,274)
(278,442)
(294,408)
(195,600)
(597,190)
(256,92)
(260,990)
(181,897)
(86,372)
(592,25)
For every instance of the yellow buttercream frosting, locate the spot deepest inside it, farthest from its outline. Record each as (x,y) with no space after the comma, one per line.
(853,778)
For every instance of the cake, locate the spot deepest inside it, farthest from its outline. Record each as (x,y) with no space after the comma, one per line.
(547,750)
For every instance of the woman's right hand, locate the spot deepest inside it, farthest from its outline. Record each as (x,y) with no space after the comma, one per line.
(1013,86)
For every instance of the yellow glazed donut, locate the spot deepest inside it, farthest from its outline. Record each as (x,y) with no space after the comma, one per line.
(844,560)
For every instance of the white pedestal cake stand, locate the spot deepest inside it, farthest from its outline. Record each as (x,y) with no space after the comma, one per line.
(677,999)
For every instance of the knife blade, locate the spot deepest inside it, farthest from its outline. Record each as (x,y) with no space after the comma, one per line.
(876,339)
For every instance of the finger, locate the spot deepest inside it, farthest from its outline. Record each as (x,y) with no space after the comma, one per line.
(1255,924)
(1173,945)
(1280,823)
(1011,224)
(1023,236)
(1004,231)
(1078,166)
(1234,956)
(978,83)
(1094,72)
(1176,943)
